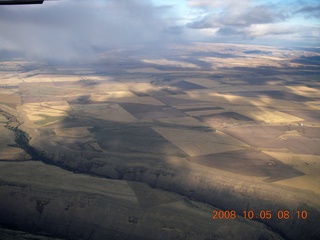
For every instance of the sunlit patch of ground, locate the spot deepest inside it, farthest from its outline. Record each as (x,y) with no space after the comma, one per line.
(314,105)
(270,116)
(248,62)
(9,81)
(225,88)
(166,62)
(306,91)
(308,164)
(46,112)
(311,116)
(231,99)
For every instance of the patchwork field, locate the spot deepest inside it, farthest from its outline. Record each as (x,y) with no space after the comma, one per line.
(155,145)
(196,143)
(107,111)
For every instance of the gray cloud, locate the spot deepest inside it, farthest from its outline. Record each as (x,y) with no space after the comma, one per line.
(310,11)
(217,3)
(72,29)
(260,14)
(248,19)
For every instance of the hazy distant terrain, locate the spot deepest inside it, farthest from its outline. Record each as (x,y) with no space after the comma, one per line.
(137,147)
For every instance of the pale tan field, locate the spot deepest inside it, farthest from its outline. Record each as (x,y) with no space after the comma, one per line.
(166,62)
(38,111)
(304,91)
(271,116)
(248,62)
(307,182)
(94,77)
(196,143)
(308,164)
(210,97)
(10,80)
(313,105)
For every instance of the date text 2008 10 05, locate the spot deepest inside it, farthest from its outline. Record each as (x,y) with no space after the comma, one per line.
(263,214)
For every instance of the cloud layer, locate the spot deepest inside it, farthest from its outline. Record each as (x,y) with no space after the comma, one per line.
(251,19)
(72,29)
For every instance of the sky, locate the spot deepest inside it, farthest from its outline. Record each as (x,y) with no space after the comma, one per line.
(68,29)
